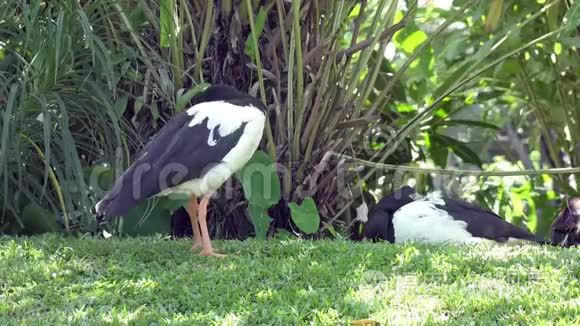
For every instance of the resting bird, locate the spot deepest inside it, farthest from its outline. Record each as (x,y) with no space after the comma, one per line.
(192,155)
(566,227)
(402,216)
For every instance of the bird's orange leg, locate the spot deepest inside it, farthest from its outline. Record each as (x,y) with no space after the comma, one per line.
(192,210)
(207,249)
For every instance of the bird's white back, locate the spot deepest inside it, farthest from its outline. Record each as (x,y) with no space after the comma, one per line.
(229,117)
(422,221)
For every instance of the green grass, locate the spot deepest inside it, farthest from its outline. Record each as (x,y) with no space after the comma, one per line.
(51,280)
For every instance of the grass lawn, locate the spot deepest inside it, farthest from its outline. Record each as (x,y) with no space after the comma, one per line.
(51,279)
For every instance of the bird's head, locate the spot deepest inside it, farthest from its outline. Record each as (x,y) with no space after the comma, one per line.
(397,199)
(361,207)
(358,226)
(101,212)
(566,227)
(378,223)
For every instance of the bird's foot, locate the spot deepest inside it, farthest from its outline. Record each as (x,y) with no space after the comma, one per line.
(211,253)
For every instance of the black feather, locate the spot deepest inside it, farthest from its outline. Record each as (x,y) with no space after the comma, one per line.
(484,223)
(176,154)
(481,222)
(566,226)
(379,225)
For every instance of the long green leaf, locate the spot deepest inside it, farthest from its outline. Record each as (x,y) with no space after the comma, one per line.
(249,47)
(167,28)
(472,123)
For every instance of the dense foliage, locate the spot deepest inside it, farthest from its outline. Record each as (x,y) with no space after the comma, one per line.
(84,83)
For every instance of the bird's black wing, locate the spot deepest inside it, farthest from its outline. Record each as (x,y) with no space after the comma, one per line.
(380,219)
(484,223)
(564,222)
(396,199)
(177,153)
(212,93)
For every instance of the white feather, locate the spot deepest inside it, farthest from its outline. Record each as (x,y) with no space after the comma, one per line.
(422,221)
(229,117)
(362,213)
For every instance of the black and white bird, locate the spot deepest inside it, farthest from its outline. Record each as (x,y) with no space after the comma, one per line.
(192,155)
(566,226)
(403,216)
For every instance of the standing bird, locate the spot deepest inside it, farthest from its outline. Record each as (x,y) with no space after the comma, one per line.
(192,155)
(402,216)
(566,227)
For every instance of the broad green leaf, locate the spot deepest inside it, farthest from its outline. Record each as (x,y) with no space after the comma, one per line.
(305,216)
(249,49)
(459,148)
(121,105)
(465,153)
(260,181)
(183,98)
(355,11)
(260,220)
(438,151)
(413,41)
